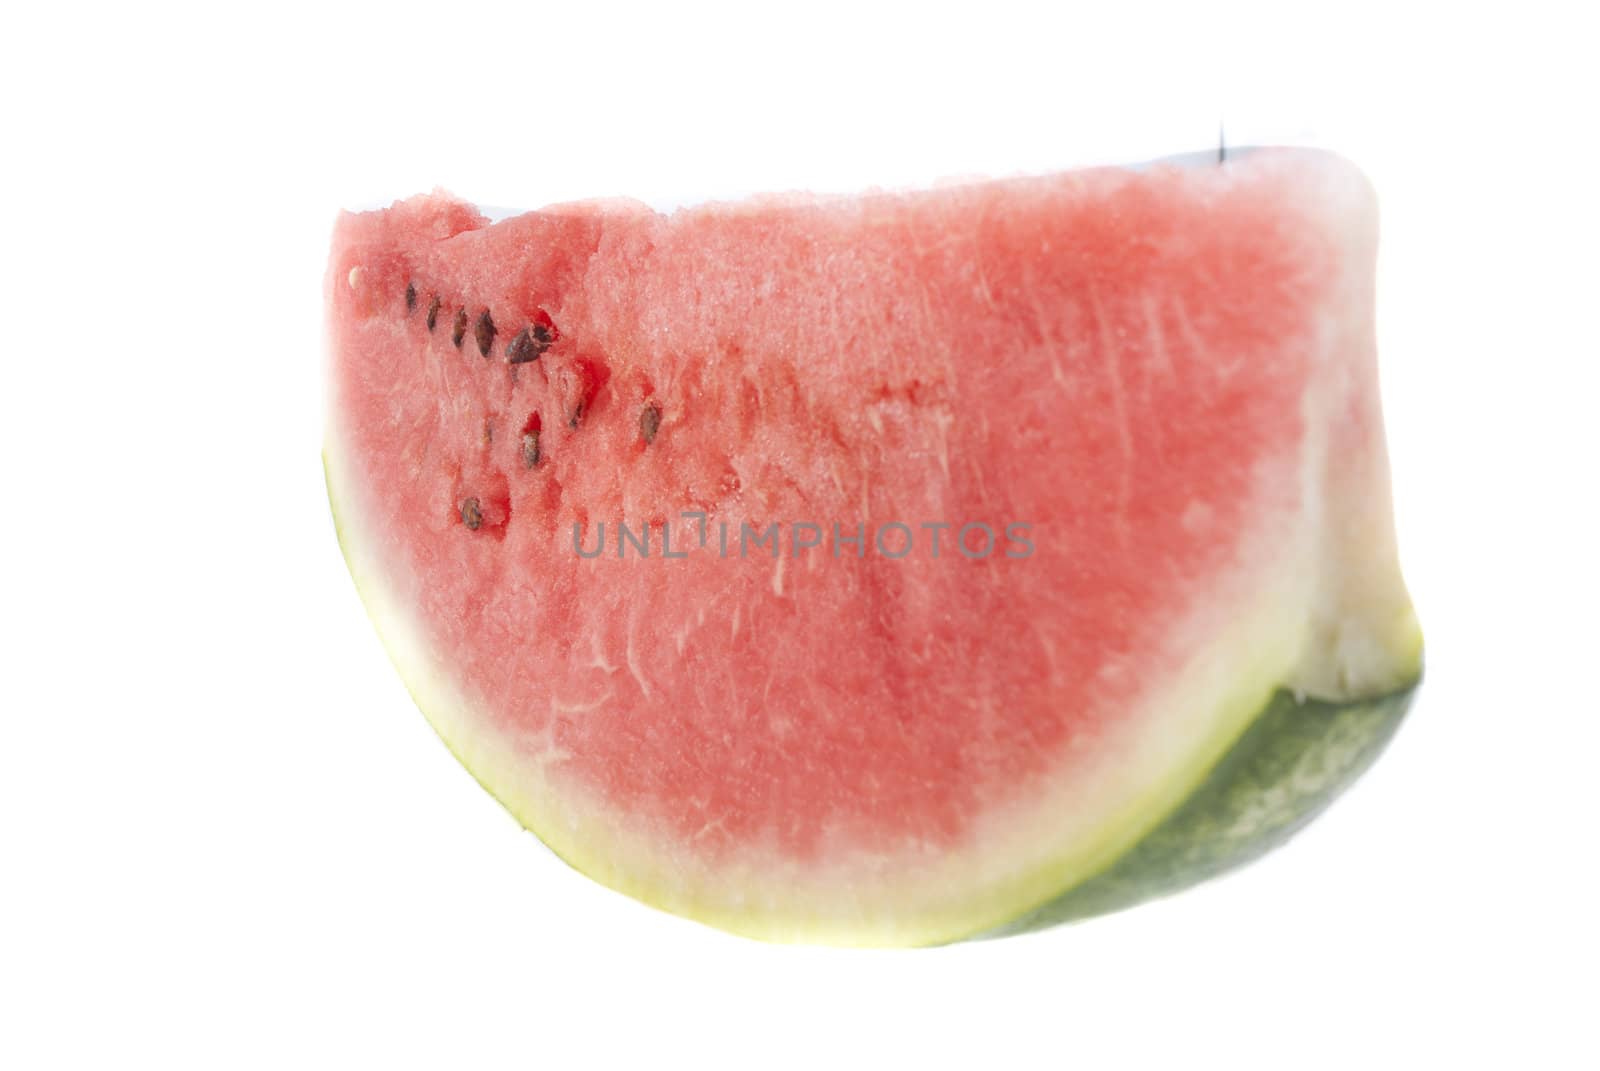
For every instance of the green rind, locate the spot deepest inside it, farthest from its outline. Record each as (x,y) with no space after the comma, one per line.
(1296,757)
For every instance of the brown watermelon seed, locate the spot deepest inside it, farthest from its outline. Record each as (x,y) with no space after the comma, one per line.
(433,312)
(516,347)
(576,416)
(411,298)
(459,330)
(471,514)
(650,422)
(488,431)
(484,332)
(530,449)
(528,346)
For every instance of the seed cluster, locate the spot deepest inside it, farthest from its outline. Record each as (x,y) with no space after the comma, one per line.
(526,346)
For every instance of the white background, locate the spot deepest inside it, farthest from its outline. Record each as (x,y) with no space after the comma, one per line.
(228,839)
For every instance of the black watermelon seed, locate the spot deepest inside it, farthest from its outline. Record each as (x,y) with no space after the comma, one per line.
(411,298)
(530,449)
(528,346)
(483,331)
(650,422)
(459,331)
(433,312)
(471,514)
(576,416)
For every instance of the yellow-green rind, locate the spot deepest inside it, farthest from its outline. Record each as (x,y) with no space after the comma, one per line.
(1294,759)
(1267,768)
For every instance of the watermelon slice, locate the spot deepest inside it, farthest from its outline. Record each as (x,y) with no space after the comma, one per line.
(887,569)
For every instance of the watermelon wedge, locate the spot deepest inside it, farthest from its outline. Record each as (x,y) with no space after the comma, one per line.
(885,570)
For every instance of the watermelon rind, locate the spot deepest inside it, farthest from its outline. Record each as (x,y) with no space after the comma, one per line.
(1296,757)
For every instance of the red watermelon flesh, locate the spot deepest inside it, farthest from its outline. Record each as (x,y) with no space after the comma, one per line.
(1136,409)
